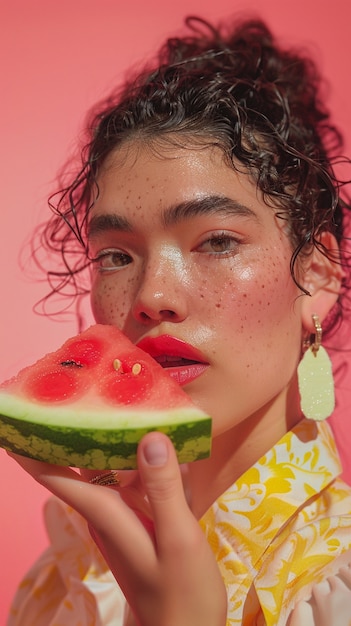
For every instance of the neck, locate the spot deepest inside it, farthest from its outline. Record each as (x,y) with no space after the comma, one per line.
(235,451)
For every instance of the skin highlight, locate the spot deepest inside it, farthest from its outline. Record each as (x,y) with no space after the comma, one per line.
(223,296)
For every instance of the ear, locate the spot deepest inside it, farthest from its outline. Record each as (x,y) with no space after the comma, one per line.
(322,277)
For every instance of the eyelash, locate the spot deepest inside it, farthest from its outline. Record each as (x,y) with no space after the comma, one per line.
(123,257)
(222,237)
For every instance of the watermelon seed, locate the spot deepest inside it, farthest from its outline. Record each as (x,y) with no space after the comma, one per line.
(136,369)
(70,363)
(117,364)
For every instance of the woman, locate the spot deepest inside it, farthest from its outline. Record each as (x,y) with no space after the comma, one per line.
(207,213)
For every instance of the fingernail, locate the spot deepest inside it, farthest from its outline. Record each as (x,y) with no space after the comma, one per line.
(156,452)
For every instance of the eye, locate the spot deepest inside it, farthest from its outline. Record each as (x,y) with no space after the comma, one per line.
(109,260)
(219,243)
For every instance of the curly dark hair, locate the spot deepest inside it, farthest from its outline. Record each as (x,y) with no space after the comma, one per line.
(236,89)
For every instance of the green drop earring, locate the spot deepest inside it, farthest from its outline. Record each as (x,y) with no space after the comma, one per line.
(315,378)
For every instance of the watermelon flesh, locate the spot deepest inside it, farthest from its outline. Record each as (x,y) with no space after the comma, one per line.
(89,403)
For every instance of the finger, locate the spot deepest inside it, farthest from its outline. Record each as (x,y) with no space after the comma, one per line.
(345,575)
(42,472)
(302,614)
(161,476)
(102,507)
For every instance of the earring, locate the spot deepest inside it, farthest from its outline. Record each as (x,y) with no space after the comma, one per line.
(315,378)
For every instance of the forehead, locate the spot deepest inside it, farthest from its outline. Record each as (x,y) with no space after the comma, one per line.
(163,174)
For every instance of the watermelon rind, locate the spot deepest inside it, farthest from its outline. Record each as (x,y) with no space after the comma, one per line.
(97,439)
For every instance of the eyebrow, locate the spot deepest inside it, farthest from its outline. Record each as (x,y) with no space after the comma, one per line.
(204,205)
(108,221)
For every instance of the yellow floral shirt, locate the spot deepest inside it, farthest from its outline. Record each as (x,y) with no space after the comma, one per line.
(279,529)
(283,527)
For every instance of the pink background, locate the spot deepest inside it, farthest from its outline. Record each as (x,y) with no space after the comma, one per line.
(58,58)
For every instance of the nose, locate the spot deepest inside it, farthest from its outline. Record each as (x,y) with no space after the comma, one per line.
(162,293)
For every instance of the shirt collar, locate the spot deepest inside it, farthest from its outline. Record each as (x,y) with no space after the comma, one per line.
(247,517)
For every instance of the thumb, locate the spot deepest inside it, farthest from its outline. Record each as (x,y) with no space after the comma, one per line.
(162,480)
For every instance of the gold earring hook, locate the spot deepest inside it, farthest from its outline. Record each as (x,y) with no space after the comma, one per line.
(316,339)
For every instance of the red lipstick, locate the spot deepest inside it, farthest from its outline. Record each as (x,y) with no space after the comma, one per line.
(183,362)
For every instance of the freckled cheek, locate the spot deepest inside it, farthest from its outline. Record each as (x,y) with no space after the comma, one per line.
(252,294)
(110,303)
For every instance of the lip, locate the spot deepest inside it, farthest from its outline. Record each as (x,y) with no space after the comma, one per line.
(171,346)
(168,346)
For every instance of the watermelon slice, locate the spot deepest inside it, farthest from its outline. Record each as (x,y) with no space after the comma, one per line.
(89,403)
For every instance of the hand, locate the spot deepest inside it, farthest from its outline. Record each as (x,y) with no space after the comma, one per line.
(145,530)
(330,602)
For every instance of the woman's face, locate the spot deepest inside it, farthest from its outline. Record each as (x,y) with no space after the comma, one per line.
(186,251)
